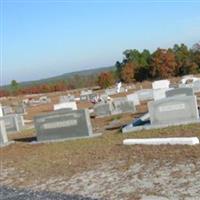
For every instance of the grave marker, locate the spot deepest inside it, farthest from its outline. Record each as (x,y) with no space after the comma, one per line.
(68,105)
(173,109)
(161,84)
(145,94)
(13,123)
(180,92)
(3,134)
(122,105)
(102,109)
(134,97)
(63,124)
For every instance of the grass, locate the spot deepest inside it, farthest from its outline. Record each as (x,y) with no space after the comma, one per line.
(64,159)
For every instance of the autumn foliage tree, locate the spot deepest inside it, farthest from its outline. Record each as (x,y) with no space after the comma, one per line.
(127,73)
(163,64)
(106,79)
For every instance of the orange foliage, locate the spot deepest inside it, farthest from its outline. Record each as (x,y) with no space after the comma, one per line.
(105,79)
(127,73)
(163,64)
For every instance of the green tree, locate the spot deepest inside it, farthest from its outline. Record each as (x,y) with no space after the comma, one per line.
(14,87)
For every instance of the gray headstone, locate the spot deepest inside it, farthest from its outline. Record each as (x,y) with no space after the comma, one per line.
(63,124)
(20,109)
(13,123)
(7,110)
(134,97)
(117,106)
(180,92)
(102,109)
(173,109)
(88,97)
(122,105)
(68,98)
(3,134)
(196,86)
(145,94)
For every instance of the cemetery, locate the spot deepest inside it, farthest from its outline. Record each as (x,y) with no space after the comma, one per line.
(72,142)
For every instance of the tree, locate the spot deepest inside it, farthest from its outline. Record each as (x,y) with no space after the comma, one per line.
(127,73)
(182,55)
(105,79)
(14,87)
(163,64)
(196,54)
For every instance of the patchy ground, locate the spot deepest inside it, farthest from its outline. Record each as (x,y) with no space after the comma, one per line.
(102,168)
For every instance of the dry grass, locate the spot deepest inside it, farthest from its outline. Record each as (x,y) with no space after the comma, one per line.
(70,157)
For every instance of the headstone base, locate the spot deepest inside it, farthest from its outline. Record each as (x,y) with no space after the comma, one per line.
(128,128)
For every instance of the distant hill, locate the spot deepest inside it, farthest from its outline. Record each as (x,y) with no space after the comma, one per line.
(66,76)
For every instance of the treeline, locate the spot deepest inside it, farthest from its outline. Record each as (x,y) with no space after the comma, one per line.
(135,66)
(74,82)
(162,63)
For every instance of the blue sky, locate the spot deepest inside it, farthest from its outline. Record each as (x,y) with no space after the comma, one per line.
(46,38)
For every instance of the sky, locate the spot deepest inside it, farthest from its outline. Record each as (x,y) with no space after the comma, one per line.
(41,39)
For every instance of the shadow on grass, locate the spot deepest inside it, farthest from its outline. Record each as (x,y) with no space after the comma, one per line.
(26,139)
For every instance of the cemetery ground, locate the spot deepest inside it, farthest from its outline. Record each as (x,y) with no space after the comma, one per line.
(102,168)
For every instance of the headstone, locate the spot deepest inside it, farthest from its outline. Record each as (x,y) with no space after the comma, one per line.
(188,79)
(134,97)
(196,86)
(63,124)
(103,98)
(173,109)
(161,84)
(111,91)
(20,109)
(86,92)
(3,134)
(7,110)
(122,105)
(102,109)
(159,93)
(1,111)
(87,96)
(69,105)
(145,94)
(13,123)
(68,98)
(180,92)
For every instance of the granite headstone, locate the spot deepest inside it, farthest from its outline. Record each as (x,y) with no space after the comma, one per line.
(173,109)
(63,124)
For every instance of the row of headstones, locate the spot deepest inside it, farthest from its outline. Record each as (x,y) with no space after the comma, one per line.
(7,110)
(57,125)
(10,122)
(35,102)
(66,123)
(114,107)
